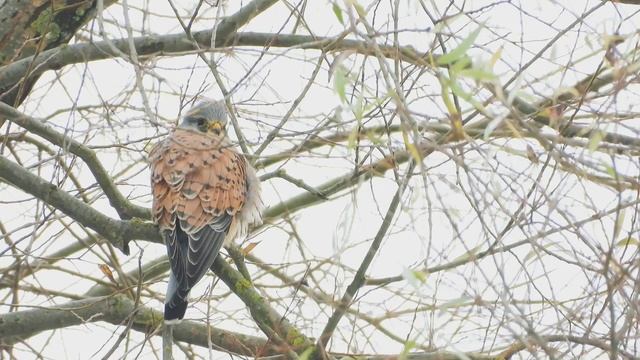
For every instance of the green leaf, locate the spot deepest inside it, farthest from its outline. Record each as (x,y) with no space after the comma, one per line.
(455,303)
(338,12)
(420,275)
(408,346)
(353,137)
(627,242)
(444,92)
(340,83)
(456,89)
(494,58)
(359,108)
(461,50)
(618,225)
(306,354)
(610,170)
(459,65)
(469,254)
(460,92)
(595,139)
(415,278)
(360,9)
(478,74)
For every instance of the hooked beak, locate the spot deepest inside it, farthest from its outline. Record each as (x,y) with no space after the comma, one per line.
(215,126)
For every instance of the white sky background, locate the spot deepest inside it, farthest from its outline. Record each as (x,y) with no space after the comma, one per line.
(341,230)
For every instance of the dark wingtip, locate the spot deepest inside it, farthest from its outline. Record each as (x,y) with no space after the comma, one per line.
(174,310)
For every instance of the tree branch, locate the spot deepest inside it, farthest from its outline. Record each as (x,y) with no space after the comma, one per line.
(377,168)
(629,2)
(266,317)
(30,66)
(234,22)
(116,309)
(76,209)
(176,44)
(30,27)
(125,209)
(535,341)
(120,232)
(179,44)
(360,277)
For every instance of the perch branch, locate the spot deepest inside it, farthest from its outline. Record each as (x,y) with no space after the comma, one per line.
(116,310)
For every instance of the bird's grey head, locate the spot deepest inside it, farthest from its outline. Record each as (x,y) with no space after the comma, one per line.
(208,116)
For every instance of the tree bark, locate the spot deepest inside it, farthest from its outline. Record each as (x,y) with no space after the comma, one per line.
(30,27)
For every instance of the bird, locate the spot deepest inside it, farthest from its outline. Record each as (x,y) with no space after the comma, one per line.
(205,195)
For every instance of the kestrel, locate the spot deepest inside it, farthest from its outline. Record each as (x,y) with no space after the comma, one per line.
(205,194)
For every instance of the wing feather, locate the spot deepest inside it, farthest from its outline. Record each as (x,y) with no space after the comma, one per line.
(204,248)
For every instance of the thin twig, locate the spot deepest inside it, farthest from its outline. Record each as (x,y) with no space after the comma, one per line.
(360,276)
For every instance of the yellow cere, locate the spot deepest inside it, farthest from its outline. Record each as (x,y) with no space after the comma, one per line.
(215,125)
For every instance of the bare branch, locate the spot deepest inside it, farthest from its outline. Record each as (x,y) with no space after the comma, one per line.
(111,229)
(117,309)
(360,277)
(177,44)
(125,209)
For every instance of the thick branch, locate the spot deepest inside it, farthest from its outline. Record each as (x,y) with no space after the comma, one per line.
(266,317)
(16,325)
(117,232)
(140,230)
(116,310)
(572,130)
(535,341)
(176,44)
(234,22)
(29,65)
(52,195)
(120,232)
(28,27)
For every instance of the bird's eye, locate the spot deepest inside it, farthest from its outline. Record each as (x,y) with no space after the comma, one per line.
(200,122)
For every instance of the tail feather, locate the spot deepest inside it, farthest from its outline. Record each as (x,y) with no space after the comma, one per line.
(175,305)
(174,311)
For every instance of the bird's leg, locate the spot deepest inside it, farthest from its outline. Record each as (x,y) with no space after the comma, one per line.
(167,341)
